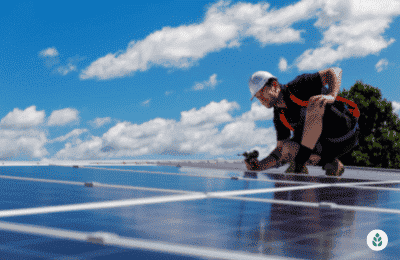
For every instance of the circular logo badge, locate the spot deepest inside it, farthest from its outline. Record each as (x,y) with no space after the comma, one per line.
(377,240)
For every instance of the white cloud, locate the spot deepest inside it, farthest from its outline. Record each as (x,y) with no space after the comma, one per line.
(396,107)
(20,134)
(64,70)
(22,143)
(49,52)
(213,113)
(73,133)
(70,66)
(23,118)
(257,112)
(51,58)
(240,134)
(98,122)
(81,150)
(283,66)
(381,65)
(146,103)
(210,83)
(224,26)
(350,28)
(63,117)
(168,93)
(208,130)
(354,29)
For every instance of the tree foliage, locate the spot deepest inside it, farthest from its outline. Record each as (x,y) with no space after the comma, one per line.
(379,144)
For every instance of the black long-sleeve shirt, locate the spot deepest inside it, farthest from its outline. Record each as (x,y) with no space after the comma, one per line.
(304,87)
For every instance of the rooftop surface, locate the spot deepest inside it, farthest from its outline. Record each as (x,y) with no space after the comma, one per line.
(200,210)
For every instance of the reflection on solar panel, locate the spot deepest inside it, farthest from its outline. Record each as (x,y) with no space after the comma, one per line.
(197,212)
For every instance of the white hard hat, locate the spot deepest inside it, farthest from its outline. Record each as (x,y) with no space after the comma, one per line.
(258,80)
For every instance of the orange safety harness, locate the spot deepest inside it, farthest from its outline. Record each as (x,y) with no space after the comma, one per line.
(354,111)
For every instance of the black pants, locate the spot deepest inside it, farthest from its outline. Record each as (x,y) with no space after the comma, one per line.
(328,150)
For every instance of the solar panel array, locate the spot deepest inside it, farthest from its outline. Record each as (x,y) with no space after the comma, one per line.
(164,212)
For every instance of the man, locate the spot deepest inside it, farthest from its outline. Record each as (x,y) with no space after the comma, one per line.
(323,128)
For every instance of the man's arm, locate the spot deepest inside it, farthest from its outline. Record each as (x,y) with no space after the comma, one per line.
(271,160)
(315,111)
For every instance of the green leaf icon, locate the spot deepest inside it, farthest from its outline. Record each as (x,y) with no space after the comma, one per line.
(377,238)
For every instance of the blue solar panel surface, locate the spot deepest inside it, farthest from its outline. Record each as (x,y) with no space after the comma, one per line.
(263,224)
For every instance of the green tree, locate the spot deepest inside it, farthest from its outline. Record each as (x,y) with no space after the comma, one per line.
(379,144)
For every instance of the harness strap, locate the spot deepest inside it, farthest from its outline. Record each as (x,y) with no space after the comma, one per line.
(298,101)
(302,103)
(354,111)
(284,121)
(345,137)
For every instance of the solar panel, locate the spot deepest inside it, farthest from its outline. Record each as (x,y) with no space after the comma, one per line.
(218,212)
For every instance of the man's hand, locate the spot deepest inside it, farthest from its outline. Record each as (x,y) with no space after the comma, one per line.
(254,165)
(316,106)
(321,100)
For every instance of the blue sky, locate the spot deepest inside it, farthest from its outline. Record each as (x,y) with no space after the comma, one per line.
(169,79)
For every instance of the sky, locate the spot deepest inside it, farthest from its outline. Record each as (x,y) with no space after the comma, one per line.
(166,80)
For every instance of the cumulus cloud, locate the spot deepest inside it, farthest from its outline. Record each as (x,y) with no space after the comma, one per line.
(396,107)
(81,150)
(350,29)
(381,65)
(99,122)
(224,26)
(213,113)
(50,56)
(73,133)
(21,136)
(49,52)
(257,112)
(210,83)
(23,118)
(208,130)
(63,117)
(283,66)
(22,143)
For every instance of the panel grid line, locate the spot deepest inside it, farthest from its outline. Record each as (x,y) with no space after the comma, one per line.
(134,243)
(326,205)
(154,200)
(203,176)
(93,184)
(100,205)
(147,201)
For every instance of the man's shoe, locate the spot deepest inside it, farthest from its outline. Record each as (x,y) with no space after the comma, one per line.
(334,168)
(292,166)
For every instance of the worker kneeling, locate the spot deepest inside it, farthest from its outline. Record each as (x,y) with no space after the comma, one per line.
(324,126)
